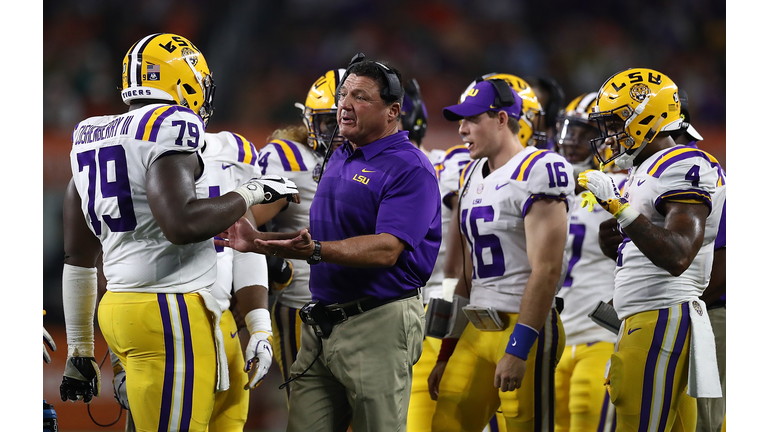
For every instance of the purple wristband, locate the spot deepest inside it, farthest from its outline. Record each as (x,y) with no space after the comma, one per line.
(521,341)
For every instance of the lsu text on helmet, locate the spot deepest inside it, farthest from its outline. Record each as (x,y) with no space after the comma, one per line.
(165,66)
(413,115)
(319,111)
(532,118)
(633,106)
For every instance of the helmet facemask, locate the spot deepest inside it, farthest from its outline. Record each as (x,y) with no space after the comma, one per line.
(574,141)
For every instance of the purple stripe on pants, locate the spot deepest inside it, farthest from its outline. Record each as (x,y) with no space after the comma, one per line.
(650,368)
(604,411)
(682,333)
(167,398)
(189,365)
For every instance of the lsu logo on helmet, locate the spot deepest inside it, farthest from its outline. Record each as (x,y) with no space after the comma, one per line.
(532,118)
(643,102)
(168,67)
(319,110)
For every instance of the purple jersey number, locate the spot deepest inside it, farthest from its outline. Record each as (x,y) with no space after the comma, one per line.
(486,241)
(578,231)
(117,185)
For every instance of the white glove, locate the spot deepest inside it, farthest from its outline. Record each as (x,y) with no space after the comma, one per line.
(267,189)
(259,349)
(607,195)
(119,386)
(47,340)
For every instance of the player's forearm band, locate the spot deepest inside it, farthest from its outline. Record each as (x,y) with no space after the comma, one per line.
(521,341)
(258,320)
(626,215)
(446,349)
(79,291)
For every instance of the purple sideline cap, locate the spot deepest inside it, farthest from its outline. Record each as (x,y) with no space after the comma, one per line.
(479,100)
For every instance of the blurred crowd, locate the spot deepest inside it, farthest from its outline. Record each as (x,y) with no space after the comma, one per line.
(264,55)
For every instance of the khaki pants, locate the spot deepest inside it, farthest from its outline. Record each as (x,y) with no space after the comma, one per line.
(363,375)
(711,411)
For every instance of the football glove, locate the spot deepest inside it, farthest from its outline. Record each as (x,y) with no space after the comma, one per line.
(82,379)
(118,381)
(258,353)
(267,189)
(47,340)
(607,195)
(279,272)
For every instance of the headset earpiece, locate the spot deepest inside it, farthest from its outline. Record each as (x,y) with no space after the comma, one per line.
(393,84)
(504,95)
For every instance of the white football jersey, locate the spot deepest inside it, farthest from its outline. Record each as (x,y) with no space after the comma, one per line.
(230,161)
(492,211)
(681,174)
(589,278)
(110,157)
(448,165)
(301,164)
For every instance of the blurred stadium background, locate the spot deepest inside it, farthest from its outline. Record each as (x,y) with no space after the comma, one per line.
(265,55)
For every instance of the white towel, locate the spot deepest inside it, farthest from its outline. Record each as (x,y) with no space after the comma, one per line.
(703,376)
(222,368)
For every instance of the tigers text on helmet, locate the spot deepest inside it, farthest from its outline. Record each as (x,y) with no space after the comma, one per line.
(319,111)
(575,132)
(532,118)
(633,106)
(165,66)
(414,114)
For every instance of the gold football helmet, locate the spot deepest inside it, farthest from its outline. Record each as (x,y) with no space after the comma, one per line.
(532,119)
(168,67)
(632,107)
(319,111)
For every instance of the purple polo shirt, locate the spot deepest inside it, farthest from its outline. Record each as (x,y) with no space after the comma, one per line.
(387,186)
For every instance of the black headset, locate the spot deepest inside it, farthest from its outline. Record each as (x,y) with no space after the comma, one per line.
(556,98)
(393,83)
(504,95)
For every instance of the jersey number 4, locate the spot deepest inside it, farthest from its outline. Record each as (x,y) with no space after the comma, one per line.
(109,170)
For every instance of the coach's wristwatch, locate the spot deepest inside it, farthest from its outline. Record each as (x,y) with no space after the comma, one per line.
(315,258)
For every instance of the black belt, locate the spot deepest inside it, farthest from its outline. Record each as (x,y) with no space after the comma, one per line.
(340,312)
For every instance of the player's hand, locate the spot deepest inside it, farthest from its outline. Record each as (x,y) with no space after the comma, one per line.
(239,236)
(510,371)
(604,190)
(119,386)
(268,189)
(435,377)
(47,340)
(82,379)
(258,357)
(609,238)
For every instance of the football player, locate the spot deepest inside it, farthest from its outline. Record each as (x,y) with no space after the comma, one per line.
(581,399)
(513,207)
(533,131)
(668,215)
(297,153)
(710,411)
(552,99)
(448,165)
(138,193)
